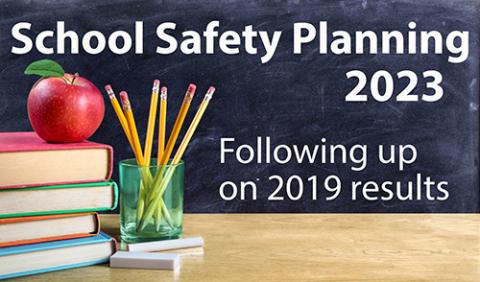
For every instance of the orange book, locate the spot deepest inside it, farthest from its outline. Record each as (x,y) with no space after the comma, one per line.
(45,228)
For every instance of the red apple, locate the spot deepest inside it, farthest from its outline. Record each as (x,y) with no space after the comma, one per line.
(65,109)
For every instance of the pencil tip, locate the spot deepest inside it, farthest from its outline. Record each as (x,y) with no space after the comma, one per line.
(192,87)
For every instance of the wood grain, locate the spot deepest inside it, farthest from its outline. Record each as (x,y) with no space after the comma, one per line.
(313,247)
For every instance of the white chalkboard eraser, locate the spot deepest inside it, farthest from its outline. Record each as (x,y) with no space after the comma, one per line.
(193,242)
(144,260)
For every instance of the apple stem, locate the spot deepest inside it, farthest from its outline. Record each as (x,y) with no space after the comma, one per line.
(74,77)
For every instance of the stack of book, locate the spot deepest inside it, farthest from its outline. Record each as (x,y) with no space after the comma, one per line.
(49,196)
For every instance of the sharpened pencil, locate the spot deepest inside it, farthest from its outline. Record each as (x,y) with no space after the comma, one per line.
(158,192)
(127,109)
(152,115)
(193,126)
(120,114)
(177,126)
(162,124)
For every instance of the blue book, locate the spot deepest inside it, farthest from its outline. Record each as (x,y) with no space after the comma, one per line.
(52,256)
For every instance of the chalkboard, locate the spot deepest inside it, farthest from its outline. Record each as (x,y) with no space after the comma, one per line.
(294,99)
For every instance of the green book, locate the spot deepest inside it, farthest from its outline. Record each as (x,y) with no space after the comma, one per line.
(58,199)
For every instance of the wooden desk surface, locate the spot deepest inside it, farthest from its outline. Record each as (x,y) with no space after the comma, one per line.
(316,247)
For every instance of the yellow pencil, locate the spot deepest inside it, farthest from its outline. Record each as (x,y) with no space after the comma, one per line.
(176,159)
(161,143)
(127,109)
(177,126)
(151,122)
(193,126)
(162,124)
(119,113)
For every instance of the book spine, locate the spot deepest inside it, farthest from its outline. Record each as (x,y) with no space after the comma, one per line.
(110,162)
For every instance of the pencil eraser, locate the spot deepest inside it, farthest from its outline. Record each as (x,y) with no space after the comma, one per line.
(123,95)
(166,245)
(156,83)
(163,89)
(211,89)
(192,87)
(108,88)
(144,260)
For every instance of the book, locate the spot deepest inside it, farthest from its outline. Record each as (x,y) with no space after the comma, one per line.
(27,160)
(46,228)
(51,256)
(58,199)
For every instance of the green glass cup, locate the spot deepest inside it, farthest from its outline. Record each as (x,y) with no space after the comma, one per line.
(151,201)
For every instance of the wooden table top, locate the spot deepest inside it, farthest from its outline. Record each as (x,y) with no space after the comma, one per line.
(312,247)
